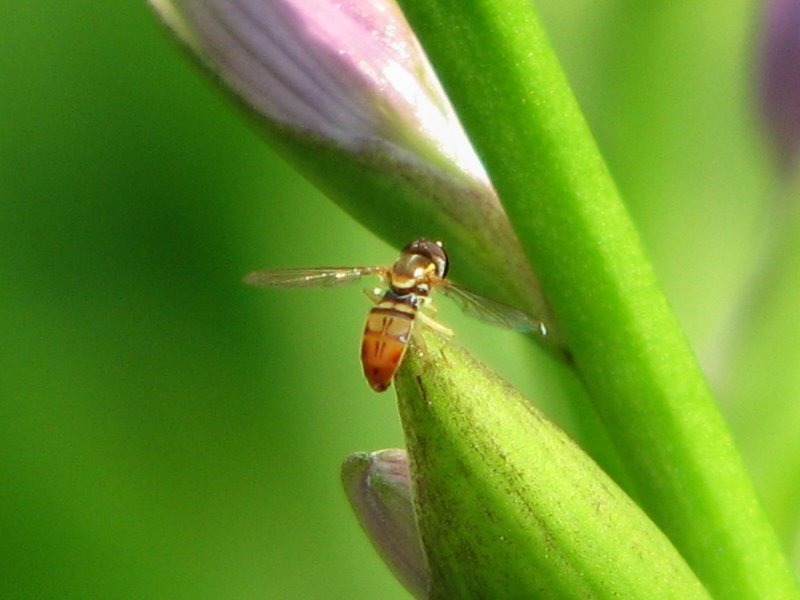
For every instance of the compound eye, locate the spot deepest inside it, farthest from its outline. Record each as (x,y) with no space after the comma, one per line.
(443,262)
(433,251)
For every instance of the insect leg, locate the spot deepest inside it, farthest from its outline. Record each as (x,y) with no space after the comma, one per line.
(435,325)
(420,345)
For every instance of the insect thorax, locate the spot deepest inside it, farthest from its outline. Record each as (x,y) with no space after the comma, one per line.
(410,298)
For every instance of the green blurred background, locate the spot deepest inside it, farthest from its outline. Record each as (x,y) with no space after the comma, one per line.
(166,432)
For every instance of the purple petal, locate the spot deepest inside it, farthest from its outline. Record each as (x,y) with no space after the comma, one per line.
(379,489)
(348,71)
(780,78)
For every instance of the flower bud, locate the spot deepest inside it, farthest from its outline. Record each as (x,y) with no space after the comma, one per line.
(344,90)
(350,72)
(379,489)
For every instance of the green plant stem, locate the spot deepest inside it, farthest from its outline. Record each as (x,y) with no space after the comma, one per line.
(629,351)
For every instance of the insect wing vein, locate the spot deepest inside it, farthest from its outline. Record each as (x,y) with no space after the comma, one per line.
(318,277)
(489,311)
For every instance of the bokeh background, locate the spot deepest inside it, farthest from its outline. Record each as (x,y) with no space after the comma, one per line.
(167,432)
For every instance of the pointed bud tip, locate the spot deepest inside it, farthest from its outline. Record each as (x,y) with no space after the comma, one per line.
(378,487)
(348,71)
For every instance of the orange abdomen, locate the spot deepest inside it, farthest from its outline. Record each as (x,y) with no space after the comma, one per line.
(385,340)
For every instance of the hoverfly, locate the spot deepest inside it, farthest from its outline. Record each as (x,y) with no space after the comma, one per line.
(421,268)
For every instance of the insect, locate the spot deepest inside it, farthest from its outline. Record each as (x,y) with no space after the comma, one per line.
(421,268)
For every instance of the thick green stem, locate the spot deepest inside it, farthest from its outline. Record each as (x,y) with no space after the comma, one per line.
(513,99)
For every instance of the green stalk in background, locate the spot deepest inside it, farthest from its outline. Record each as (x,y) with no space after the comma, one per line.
(509,92)
(761,383)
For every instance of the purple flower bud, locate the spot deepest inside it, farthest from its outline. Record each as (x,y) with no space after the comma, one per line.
(379,489)
(349,97)
(780,78)
(351,72)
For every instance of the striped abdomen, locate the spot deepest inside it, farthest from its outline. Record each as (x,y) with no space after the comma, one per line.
(386,336)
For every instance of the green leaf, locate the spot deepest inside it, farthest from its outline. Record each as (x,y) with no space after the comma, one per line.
(508,506)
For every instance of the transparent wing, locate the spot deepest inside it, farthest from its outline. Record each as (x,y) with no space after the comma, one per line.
(319,277)
(490,311)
